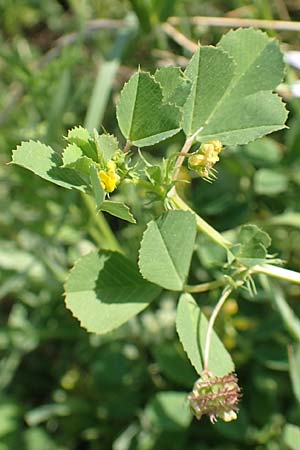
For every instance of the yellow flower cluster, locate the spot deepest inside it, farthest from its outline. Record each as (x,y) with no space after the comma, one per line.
(207,156)
(109,178)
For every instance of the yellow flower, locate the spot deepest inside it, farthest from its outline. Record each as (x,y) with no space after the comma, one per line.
(109,178)
(205,159)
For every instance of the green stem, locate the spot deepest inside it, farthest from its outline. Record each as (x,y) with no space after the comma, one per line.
(277,272)
(227,291)
(204,287)
(101,223)
(203,226)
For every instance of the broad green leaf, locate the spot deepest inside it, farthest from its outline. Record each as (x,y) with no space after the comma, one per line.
(167,248)
(168,411)
(191,327)
(118,209)
(211,71)
(45,162)
(234,102)
(143,117)
(105,289)
(259,61)
(82,138)
(294,365)
(99,193)
(252,245)
(291,436)
(270,182)
(175,87)
(74,158)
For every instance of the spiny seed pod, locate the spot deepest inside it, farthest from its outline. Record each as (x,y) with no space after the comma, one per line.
(216,397)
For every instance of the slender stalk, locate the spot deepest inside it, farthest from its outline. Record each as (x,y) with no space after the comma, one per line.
(204,287)
(127,147)
(185,149)
(277,272)
(179,38)
(227,291)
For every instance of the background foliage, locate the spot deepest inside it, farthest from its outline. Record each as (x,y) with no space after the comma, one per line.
(62,388)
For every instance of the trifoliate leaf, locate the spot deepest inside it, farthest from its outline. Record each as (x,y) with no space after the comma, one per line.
(167,248)
(143,117)
(175,86)
(118,209)
(45,162)
(231,97)
(105,289)
(191,325)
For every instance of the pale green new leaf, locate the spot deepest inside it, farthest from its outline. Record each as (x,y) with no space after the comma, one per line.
(143,117)
(234,102)
(104,290)
(118,209)
(291,436)
(191,327)
(175,86)
(107,146)
(167,248)
(45,162)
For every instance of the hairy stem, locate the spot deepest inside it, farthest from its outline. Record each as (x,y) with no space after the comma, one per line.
(225,294)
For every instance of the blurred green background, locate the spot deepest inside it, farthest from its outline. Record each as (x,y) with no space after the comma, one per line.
(63,63)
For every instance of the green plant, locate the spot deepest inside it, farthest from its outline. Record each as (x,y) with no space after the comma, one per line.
(224,98)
